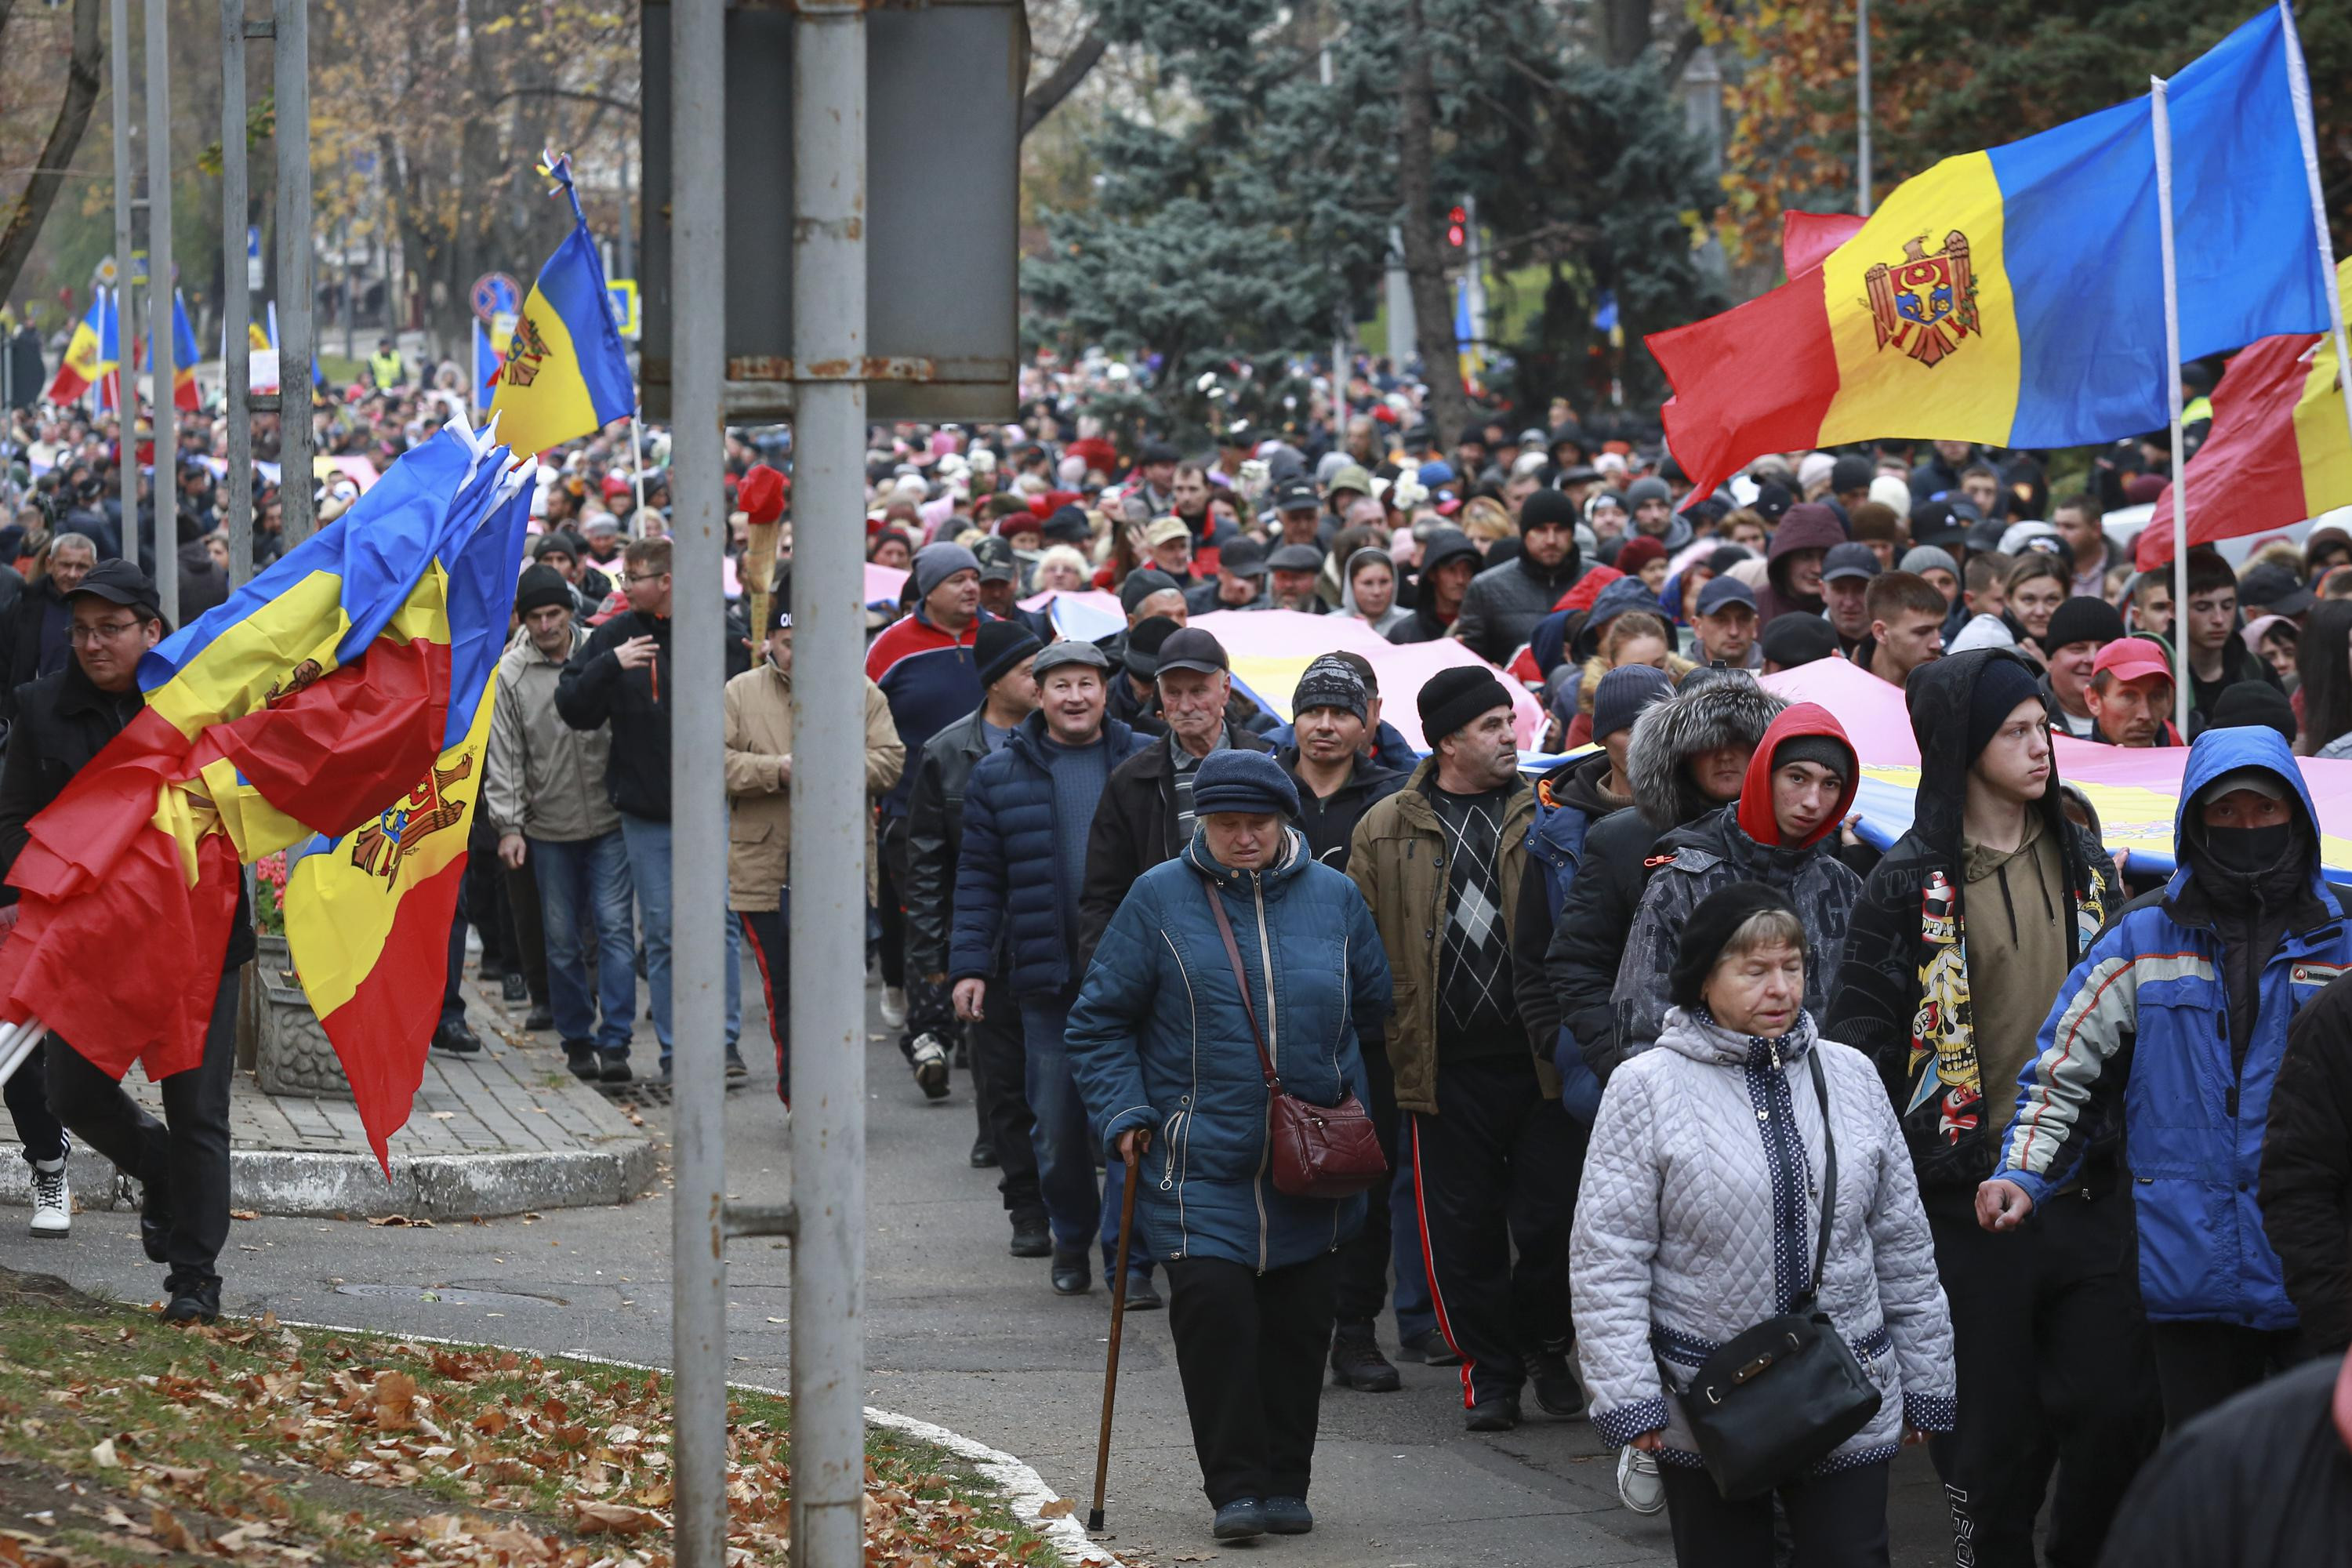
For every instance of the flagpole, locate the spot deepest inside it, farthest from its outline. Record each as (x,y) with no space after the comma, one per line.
(2298,87)
(637,472)
(2161,119)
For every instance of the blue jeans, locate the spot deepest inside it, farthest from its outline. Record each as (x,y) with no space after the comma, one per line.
(649,843)
(1064,1139)
(585,891)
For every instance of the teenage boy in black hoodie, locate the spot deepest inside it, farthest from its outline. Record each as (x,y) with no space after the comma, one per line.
(1962,938)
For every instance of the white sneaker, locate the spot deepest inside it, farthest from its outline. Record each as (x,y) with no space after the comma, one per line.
(52,1200)
(894,1005)
(1639,1485)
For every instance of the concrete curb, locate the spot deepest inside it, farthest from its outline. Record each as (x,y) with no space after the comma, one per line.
(423,1186)
(1024,1489)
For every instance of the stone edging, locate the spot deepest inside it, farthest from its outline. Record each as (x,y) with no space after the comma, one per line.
(423,1186)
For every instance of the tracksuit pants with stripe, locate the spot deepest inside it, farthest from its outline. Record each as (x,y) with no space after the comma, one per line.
(1497,1170)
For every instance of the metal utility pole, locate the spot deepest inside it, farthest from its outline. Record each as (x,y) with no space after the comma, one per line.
(297,296)
(829,352)
(126,404)
(698,790)
(1862,107)
(237,304)
(161,350)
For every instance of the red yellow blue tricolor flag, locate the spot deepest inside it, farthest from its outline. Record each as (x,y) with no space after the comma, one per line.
(565,375)
(90,353)
(316,696)
(1982,301)
(368,912)
(184,356)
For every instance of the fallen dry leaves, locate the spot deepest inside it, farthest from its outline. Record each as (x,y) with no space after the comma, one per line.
(533,1463)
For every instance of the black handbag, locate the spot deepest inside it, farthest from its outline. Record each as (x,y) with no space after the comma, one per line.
(1782,1394)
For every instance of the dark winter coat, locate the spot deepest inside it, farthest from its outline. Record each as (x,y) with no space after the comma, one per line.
(1504,603)
(1134,830)
(935,838)
(34,641)
(1739,843)
(1569,804)
(2306,1181)
(1006,889)
(595,691)
(1159,1039)
(1587,944)
(1907,959)
(2145,1021)
(1808,528)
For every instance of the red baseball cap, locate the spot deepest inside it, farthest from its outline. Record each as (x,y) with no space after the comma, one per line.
(2131,659)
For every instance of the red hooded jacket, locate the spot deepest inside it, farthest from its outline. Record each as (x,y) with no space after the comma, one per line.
(1755,816)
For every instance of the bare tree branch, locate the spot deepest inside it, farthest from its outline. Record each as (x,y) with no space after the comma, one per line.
(602,100)
(1063,80)
(32,208)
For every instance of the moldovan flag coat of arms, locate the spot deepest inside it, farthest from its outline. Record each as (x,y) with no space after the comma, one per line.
(2015,297)
(318,694)
(565,373)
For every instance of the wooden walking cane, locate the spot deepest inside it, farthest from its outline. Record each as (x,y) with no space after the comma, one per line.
(1117,1323)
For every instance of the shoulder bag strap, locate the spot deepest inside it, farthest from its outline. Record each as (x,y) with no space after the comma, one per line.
(1829,1172)
(1241,979)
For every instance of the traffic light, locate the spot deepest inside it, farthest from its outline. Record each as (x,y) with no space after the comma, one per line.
(1457,228)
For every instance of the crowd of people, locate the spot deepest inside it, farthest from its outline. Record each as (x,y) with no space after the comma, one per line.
(1654,1043)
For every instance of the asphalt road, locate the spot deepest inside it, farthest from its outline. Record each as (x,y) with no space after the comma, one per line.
(958,1333)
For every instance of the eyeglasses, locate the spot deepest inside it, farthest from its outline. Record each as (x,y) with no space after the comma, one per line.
(646,577)
(103,631)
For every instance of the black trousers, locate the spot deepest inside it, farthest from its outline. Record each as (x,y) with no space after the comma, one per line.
(1249,1350)
(1496,1169)
(768,936)
(522,919)
(28,1094)
(1836,1521)
(998,1086)
(182,1160)
(2053,1370)
(481,897)
(889,909)
(1364,1262)
(2200,1365)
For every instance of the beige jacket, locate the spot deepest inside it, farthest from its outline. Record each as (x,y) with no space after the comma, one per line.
(547,779)
(759,816)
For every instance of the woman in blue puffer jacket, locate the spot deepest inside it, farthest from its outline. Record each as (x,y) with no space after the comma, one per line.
(1165,1058)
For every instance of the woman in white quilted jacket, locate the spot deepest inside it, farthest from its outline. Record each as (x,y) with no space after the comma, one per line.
(1698,1216)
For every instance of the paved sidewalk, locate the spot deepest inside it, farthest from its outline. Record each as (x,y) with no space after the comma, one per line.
(502,1132)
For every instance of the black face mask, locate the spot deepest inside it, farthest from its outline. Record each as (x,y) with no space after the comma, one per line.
(2249,851)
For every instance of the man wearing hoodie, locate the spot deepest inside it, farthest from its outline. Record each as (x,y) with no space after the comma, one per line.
(1449,564)
(1993,883)
(1782,831)
(1504,603)
(2180,1013)
(1793,565)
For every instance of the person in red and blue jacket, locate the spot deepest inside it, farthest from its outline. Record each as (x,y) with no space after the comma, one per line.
(2181,1012)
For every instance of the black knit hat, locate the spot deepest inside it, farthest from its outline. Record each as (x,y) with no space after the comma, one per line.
(1327,683)
(999,646)
(1710,927)
(539,587)
(1793,640)
(1456,695)
(2082,619)
(1547,505)
(2001,685)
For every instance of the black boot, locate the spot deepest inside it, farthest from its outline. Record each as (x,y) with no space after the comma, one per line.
(1072,1272)
(1492,1415)
(983,1153)
(1356,1361)
(579,1055)
(1032,1236)
(1557,1389)
(456,1039)
(154,1222)
(195,1299)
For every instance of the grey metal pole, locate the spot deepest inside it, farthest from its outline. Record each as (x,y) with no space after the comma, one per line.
(159,296)
(126,406)
(828,859)
(698,790)
(237,304)
(1861,106)
(297,296)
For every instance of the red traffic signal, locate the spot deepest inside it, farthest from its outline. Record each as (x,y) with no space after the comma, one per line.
(1456,226)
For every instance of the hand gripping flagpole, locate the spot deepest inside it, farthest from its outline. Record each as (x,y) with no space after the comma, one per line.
(16,1042)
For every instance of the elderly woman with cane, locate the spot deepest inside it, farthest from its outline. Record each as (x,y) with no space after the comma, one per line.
(1216,1036)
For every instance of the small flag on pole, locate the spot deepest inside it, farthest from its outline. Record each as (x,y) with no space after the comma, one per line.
(565,373)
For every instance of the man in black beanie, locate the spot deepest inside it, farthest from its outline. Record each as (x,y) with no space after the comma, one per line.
(2079,628)
(1003,652)
(1960,943)
(1441,863)
(1504,603)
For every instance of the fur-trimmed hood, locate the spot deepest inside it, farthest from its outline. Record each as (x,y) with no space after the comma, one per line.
(1714,708)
